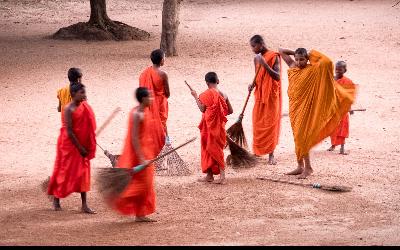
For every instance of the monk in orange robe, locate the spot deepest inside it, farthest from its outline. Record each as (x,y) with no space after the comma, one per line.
(63,94)
(316,102)
(342,131)
(215,106)
(156,81)
(268,99)
(76,146)
(138,198)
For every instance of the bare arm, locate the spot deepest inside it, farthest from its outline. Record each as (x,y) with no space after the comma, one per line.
(274,71)
(230,109)
(166,84)
(137,119)
(59,106)
(201,106)
(286,56)
(71,134)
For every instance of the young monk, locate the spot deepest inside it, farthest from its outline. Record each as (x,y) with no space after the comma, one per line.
(342,131)
(268,99)
(215,106)
(76,146)
(63,94)
(138,198)
(316,102)
(156,81)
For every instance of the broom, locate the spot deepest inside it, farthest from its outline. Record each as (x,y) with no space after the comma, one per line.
(239,156)
(334,188)
(236,131)
(113,181)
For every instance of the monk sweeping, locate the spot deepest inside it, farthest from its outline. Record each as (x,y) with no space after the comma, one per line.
(316,102)
(268,99)
(215,106)
(156,80)
(138,198)
(342,131)
(63,94)
(76,146)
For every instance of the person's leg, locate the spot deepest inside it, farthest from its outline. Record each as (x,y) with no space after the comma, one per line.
(208,178)
(342,150)
(56,204)
(307,168)
(85,208)
(299,169)
(271,160)
(221,179)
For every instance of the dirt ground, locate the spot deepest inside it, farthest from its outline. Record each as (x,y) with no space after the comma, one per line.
(213,37)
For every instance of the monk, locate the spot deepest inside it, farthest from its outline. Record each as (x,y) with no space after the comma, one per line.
(268,99)
(342,131)
(76,146)
(215,106)
(138,199)
(156,81)
(63,94)
(316,102)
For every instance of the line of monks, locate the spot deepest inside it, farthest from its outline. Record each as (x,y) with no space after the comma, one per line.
(318,108)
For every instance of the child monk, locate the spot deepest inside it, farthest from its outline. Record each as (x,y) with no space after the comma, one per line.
(316,102)
(156,81)
(268,99)
(342,131)
(215,106)
(138,199)
(63,94)
(76,146)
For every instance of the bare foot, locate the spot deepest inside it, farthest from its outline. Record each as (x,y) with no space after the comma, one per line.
(56,204)
(343,153)
(297,171)
(206,179)
(220,181)
(331,148)
(271,160)
(87,210)
(307,172)
(144,219)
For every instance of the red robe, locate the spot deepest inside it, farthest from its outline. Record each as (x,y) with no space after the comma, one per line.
(72,171)
(150,79)
(267,109)
(139,197)
(212,131)
(342,131)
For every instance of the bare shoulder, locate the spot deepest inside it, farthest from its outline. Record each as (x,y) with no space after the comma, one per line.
(138,115)
(223,94)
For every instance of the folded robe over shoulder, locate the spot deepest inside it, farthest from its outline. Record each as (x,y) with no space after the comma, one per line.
(316,102)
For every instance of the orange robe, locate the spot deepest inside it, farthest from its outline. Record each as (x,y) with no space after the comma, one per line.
(212,131)
(139,197)
(72,171)
(342,131)
(64,95)
(316,102)
(150,79)
(267,109)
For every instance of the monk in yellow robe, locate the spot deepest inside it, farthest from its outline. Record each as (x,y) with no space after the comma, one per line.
(215,106)
(63,94)
(342,131)
(268,99)
(316,102)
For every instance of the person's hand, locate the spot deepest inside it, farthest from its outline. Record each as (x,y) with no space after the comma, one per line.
(251,87)
(351,112)
(167,140)
(83,152)
(194,93)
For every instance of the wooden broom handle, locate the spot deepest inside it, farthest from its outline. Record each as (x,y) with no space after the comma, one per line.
(108,120)
(248,95)
(358,110)
(171,151)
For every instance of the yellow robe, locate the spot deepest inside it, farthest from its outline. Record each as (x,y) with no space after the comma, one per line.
(64,96)
(316,102)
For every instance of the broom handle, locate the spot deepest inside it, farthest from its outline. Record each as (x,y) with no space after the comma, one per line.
(108,120)
(171,151)
(248,95)
(358,110)
(100,147)
(283,181)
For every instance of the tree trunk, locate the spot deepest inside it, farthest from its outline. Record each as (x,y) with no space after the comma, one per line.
(170,23)
(98,13)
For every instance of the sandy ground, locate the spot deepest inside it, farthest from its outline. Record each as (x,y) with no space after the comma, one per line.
(213,37)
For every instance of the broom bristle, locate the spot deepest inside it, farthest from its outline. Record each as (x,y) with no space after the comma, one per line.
(172,164)
(239,157)
(112,181)
(236,133)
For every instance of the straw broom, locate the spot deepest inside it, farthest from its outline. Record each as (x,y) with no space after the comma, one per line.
(112,181)
(239,156)
(236,131)
(334,188)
